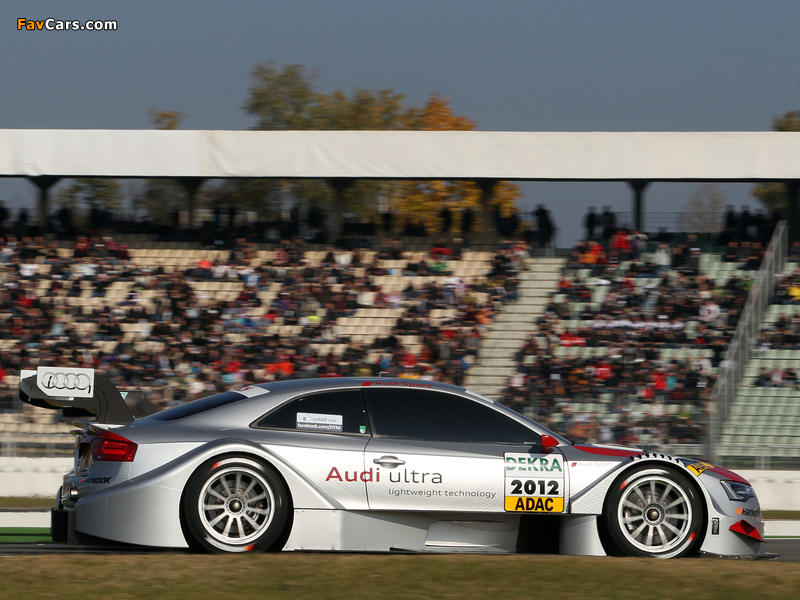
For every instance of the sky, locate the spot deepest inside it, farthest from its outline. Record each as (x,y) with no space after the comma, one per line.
(526,65)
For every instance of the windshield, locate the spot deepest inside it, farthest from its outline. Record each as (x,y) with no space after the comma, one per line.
(537,426)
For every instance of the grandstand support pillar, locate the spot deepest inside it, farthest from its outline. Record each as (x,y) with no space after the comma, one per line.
(340,185)
(638,201)
(487,196)
(44,183)
(191,185)
(792,208)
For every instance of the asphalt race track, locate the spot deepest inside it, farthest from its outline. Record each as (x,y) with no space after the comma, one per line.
(789,549)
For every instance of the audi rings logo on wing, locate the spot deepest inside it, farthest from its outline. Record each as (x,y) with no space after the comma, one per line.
(70,382)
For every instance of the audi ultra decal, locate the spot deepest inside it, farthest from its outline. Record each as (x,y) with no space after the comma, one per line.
(66,381)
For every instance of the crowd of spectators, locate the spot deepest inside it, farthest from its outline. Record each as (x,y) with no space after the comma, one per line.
(165,336)
(635,337)
(635,331)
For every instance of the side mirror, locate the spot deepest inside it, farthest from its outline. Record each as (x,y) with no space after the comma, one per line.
(548,443)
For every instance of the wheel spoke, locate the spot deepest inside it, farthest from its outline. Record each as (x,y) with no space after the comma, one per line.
(216,494)
(632,505)
(677,517)
(672,528)
(641,496)
(638,530)
(665,494)
(253,523)
(213,522)
(227,530)
(256,498)
(661,535)
(680,500)
(649,540)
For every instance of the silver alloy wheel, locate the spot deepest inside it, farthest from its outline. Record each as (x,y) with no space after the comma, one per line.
(655,514)
(236,505)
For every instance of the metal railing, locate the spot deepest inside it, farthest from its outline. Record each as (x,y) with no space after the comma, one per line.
(745,338)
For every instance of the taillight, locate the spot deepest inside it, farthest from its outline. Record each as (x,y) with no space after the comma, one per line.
(113,447)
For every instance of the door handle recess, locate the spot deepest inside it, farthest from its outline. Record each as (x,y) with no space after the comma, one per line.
(389,462)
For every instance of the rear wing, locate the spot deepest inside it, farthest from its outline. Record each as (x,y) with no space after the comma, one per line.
(82,392)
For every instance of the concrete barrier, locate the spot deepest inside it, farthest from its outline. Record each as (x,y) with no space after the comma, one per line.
(32,476)
(776,490)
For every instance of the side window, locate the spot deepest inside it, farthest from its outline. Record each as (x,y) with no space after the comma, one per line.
(341,411)
(428,415)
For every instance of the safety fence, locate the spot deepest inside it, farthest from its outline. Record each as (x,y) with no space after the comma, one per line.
(745,338)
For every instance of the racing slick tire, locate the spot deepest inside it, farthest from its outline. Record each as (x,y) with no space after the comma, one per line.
(653,510)
(235,504)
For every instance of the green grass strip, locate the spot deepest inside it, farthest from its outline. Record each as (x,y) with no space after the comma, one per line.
(26,535)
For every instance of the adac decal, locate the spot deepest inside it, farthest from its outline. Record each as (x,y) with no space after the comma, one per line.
(370,475)
(528,504)
(533,463)
(408,384)
(749,512)
(699,467)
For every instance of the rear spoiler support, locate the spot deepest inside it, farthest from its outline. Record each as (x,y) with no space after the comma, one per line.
(82,390)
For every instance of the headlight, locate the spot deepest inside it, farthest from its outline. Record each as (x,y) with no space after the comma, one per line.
(738,491)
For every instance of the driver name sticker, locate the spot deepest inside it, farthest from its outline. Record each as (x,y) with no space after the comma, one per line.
(318,422)
(534,483)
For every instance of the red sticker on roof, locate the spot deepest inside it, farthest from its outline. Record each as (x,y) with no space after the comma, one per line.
(608,451)
(407,384)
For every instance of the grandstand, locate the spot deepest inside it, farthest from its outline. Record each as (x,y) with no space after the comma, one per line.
(277,312)
(538,333)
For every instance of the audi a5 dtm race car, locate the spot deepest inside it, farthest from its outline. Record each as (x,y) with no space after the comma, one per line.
(374,464)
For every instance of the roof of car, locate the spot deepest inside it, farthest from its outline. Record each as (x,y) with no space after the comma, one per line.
(328,383)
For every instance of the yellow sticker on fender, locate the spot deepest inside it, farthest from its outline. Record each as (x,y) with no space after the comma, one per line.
(698,467)
(527,504)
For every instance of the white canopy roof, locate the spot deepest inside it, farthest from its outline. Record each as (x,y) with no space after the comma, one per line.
(557,156)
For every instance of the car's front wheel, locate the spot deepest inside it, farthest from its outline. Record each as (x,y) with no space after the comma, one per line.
(234,504)
(653,511)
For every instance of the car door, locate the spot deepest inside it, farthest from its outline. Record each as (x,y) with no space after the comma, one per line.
(439,451)
(323,436)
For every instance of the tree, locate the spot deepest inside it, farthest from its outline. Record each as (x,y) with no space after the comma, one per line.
(773,195)
(290,98)
(705,209)
(424,200)
(91,199)
(283,99)
(167,120)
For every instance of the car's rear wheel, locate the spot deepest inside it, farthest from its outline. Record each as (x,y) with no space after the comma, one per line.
(234,504)
(653,511)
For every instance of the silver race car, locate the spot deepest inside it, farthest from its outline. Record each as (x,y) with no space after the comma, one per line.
(374,464)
